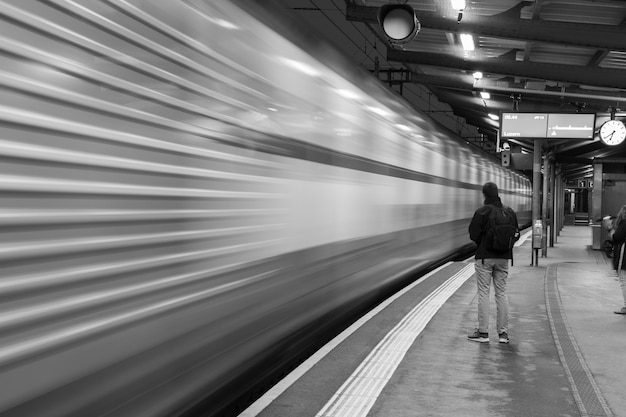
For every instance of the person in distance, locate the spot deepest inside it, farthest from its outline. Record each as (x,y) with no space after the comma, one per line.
(619,261)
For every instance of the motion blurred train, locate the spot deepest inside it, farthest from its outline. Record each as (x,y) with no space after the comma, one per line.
(189,195)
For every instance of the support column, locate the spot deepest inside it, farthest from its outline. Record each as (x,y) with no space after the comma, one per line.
(544,206)
(559,199)
(536,213)
(596,193)
(563,184)
(551,211)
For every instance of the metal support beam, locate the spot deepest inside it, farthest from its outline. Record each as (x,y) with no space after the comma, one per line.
(545,207)
(536,213)
(586,94)
(604,77)
(560,205)
(596,193)
(552,204)
(581,172)
(394,76)
(484,84)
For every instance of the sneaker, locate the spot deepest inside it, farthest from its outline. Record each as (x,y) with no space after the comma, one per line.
(621,311)
(503,337)
(479,337)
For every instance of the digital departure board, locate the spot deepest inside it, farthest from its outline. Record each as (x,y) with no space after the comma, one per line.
(524,125)
(547,125)
(572,126)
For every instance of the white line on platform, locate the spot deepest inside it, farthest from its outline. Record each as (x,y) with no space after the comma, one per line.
(358,394)
(259,405)
(523,238)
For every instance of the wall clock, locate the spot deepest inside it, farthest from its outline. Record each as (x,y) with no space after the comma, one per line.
(613,132)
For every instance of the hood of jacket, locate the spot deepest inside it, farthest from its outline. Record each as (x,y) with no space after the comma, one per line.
(493,201)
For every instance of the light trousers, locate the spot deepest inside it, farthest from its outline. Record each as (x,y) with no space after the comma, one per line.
(622,282)
(496,270)
(621,273)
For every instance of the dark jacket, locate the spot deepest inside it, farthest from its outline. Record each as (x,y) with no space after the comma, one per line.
(478,227)
(618,239)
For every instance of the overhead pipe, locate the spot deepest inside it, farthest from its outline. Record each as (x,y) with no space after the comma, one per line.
(508,25)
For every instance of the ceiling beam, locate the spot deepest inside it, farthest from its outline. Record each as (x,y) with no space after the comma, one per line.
(576,171)
(578,147)
(507,25)
(603,77)
(572,160)
(453,82)
(586,94)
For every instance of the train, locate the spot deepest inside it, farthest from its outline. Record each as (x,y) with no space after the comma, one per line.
(190,194)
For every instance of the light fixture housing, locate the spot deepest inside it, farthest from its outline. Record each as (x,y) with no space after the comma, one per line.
(398,22)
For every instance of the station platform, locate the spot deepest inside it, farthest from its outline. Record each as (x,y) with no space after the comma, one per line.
(411,357)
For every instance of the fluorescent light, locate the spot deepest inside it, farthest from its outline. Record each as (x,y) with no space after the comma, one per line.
(468,41)
(493,116)
(458,4)
(478,75)
(485,95)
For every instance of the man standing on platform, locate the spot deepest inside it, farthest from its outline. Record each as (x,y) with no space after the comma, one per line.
(494,228)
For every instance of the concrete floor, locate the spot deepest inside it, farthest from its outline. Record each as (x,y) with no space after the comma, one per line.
(565,357)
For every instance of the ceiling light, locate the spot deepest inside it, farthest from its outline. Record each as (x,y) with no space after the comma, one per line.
(458,4)
(478,75)
(399,22)
(493,116)
(468,41)
(485,95)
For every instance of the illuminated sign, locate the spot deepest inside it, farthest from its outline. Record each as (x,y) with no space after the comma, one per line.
(547,125)
(573,125)
(524,125)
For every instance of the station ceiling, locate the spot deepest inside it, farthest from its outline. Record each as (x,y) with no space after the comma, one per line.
(552,56)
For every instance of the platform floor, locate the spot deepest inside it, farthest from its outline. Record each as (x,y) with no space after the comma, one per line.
(411,356)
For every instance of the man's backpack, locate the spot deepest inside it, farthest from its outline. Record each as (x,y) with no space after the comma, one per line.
(501,230)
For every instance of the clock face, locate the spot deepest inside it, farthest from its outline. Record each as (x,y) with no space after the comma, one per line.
(613,132)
